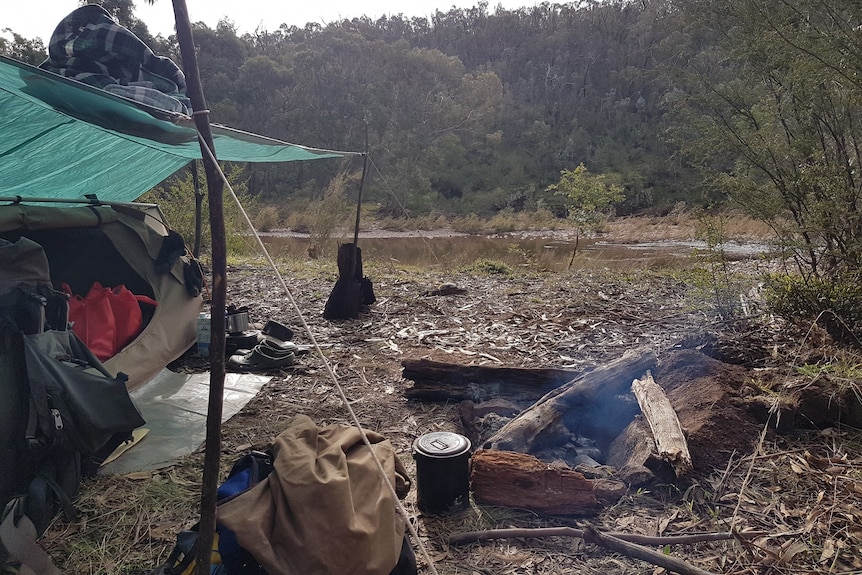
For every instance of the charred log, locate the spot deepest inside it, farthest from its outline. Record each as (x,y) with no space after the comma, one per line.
(437,381)
(633,453)
(597,387)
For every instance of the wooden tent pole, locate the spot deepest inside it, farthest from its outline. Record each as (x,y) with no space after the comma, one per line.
(199,200)
(215,188)
(358,212)
(359,204)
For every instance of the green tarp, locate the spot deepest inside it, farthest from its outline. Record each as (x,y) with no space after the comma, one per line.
(63,139)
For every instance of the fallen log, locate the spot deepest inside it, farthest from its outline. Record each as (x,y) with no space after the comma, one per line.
(438,381)
(597,387)
(510,479)
(670,442)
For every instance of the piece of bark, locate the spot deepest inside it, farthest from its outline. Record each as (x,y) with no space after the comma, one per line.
(510,479)
(439,381)
(670,442)
(594,387)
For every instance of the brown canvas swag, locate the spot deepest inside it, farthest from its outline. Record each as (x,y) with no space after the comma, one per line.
(324,509)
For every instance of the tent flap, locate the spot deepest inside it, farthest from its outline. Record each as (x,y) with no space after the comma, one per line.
(65,139)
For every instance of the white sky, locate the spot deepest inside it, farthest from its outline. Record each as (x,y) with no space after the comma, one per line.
(38,18)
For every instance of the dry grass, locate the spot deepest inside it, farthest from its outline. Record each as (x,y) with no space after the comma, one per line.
(684,225)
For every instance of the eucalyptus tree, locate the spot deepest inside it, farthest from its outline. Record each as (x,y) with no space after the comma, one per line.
(773,114)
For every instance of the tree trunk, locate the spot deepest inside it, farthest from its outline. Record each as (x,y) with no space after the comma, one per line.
(215,188)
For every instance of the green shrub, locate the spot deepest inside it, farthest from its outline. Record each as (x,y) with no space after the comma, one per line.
(176,200)
(469,225)
(330,213)
(490,267)
(835,303)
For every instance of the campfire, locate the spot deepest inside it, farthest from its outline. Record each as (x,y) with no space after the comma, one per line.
(561,442)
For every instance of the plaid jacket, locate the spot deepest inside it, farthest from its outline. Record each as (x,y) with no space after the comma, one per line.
(89,46)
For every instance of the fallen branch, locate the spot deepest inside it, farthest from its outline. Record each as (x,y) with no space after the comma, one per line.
(591,535)
(491,534)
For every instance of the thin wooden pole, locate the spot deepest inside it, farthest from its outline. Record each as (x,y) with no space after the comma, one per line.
(215,189)
(199,200)
(359,205)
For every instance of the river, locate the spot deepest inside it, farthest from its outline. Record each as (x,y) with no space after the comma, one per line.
(542,253)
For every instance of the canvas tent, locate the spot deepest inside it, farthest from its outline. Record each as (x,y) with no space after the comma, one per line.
(117,245)
(62,139)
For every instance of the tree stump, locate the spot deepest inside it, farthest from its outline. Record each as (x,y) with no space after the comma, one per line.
(352,289)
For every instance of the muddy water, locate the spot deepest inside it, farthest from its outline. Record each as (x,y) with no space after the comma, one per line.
(538,253)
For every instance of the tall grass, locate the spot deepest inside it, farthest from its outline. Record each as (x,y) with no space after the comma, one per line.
(325,217)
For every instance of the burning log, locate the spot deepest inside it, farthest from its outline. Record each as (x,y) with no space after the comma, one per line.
(438,381)
(670,442)
(545,417)
(511,479)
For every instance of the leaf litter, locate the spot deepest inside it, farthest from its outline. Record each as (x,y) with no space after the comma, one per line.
(798,492)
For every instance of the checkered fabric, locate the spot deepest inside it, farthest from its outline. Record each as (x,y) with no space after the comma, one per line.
(91,47)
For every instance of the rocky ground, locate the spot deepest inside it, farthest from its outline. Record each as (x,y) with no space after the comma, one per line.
(796,494)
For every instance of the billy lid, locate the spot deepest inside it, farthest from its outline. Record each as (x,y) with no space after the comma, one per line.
(441,444)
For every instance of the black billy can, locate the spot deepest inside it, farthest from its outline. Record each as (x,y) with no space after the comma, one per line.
(442,472)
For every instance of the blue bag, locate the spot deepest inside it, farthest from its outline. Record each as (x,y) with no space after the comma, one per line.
(248,471)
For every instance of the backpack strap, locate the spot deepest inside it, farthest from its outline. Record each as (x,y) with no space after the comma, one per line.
(18,535)
(62,497)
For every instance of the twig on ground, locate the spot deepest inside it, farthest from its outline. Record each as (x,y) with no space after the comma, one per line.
(592,535)
(490,534)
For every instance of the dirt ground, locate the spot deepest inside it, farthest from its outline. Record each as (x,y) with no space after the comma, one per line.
(796,494)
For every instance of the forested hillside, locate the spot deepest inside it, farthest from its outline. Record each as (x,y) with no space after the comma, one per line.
(469,112)
(478,110)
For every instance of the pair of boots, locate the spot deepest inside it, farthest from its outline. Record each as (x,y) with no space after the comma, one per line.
(273,351)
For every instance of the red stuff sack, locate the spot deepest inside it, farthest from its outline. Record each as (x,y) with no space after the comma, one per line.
(128,319)
(92,320)
(106,320)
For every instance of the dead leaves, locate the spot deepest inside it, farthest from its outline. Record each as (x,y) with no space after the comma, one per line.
(810,501)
